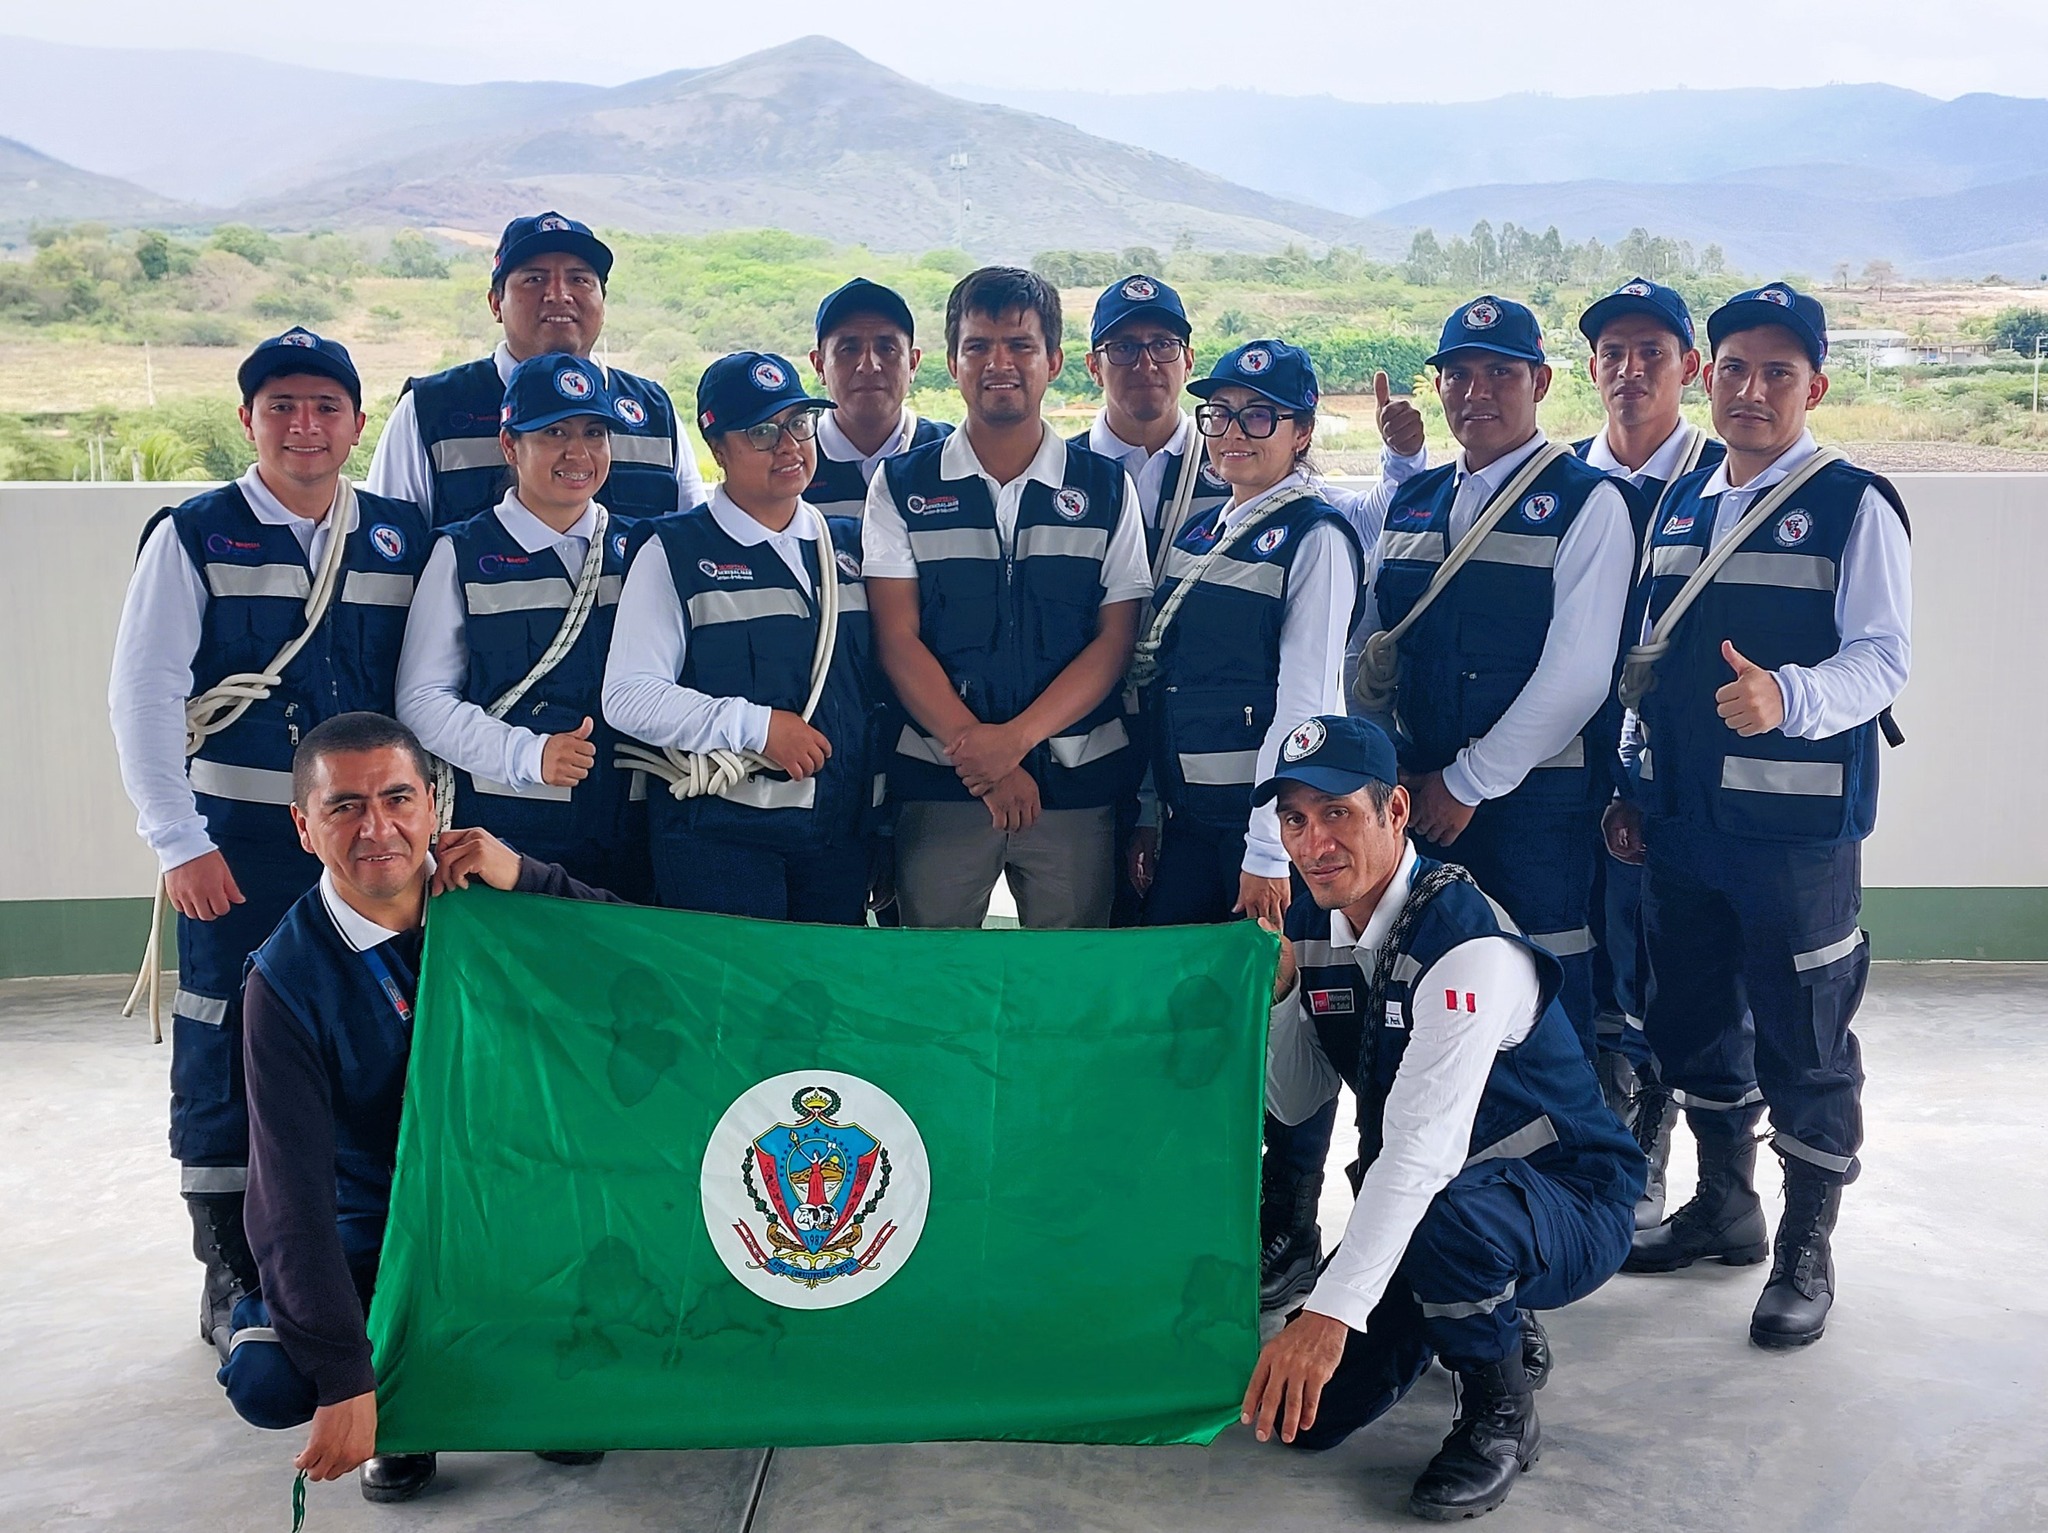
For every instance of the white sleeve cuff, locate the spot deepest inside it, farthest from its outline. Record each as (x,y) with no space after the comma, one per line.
(1459,784)
(1341,1303)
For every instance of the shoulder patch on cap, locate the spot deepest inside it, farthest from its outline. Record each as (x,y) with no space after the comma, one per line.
(631,411)
(1305,740)
(573,384)
(1794,528)
(768,376)
(1255,360)
(1776,295)
(1483,315)
(1138,289)
(1070,503)
(388,541)
(1539,508)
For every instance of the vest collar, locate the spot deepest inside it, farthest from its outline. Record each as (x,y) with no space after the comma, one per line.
(535,535)
(1232,512)
(1383,915)
(273,512)
(833,442)
(1663,463)
(747,532)
(1793,456)
(1501,470)
(1048,465)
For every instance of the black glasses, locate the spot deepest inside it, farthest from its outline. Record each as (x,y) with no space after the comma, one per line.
(767,436)
(1164,350)
(1255,421)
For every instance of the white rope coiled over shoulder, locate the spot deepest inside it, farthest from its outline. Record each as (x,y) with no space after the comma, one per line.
(1639,669)
(581,603)
(715,773)
(1145,659)
(223,703)
(1379,663)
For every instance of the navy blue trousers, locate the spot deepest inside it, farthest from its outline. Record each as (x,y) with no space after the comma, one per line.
(1539,864)
(1502,1236)
(1757,967)
(1618,963)
(264,1386)
(825,885)
(209,1115)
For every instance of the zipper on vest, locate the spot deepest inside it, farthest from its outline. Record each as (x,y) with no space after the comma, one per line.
(1248,718)
(291,730)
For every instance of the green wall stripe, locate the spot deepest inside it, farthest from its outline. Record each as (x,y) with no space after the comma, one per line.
(48,937)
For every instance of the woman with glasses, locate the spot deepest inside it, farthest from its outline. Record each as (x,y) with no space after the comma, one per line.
(505,642)
(742,661)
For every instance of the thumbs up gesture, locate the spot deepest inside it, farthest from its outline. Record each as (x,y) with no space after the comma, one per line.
(1753,703)
(567,758)
(1400,422)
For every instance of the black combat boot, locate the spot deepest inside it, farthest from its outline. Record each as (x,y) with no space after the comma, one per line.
(1535,1350)
(218,1242)
(1620,1086)
(1496,1438)
(396,1476)
(1725,1218)
(1793,1311)
(1290,1240)
(1656,1116)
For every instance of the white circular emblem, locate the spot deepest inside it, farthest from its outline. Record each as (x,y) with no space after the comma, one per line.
(552,224)
(1776,295)
(815,1187)
(1483,315)
(1211,478)
(619,545)
(1794,527)
(389,541)
(1306,740)
(913,504)
(631,411)
(1071,503)
(1138,289)
(768,376)
(708,568)
(1255,360)
(1539,508)
(1636,289)
(295,338)
(848,565)
(571,384)
(1270,539)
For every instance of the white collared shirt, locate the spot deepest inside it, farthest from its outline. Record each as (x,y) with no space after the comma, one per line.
(834,444)
(1126,575)
(1662,465)
(401,469)
(650,638)
(1426,1128)
(1590,585)
(357,929)
(1148,469)
(433,664)
(151,679)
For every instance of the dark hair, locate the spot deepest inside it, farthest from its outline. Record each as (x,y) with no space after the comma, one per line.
(1379,795)
(1304,461)
(350,732)
(995,291)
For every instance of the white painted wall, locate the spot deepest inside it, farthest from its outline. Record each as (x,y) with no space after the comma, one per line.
(1958,808)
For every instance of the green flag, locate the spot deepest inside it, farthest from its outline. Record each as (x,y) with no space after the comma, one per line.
(670,1180)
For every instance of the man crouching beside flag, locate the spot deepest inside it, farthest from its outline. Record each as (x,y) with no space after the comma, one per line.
(327,1034)
(1494,1178)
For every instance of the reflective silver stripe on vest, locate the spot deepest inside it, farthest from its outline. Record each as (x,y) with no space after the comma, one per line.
(1675,559)
(1711,1104)
(608,589)
(1821,957)
(1260,579)
(366,588)
(1566,944)
(773,793)
(1630,1020)
(454,454)
(1645,767)
(955,543)
(1466,1311)
(259,580)
(920,747)
(539,790)
(853,596)
(1785,1144)
(1078,750)
(1421,547)
(881,791)
(657,450)
(1406,970)
(1794,572)
(636,792)
(1526,1140)
(552,594)
(1501,917)
(1062,542)
(249,785)
(1531,552)
(1802,779)
(1219,769)
(204,1179)
(253,1333)
(708,608)
(1318,953)
(199,1008)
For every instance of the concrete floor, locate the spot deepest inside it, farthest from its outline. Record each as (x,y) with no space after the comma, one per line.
(1926,1407)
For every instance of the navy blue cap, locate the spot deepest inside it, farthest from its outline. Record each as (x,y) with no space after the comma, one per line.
(555,387)
(525,238)
(1492,324)
(298,350)
(1777,303)
(746,388)
(1334,754)
(1639,295)
(860,296)
(1283,373)
(1134,297)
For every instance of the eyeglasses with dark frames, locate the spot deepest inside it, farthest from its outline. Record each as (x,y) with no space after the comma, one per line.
(767,436)
(1164,350)
(1255,421)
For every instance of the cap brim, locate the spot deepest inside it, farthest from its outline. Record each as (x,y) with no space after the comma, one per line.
(283,362)
(870,302)
(1517,353)
(1612,307)
(566,413)
(1754,314)
(1157,311)
(1323,779)
(588,246)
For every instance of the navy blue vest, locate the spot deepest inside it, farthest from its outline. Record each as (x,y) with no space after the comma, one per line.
(1211,493)
(458,413)
(1643,498)
(753,631)
(339,997)
(1542,1102)
(513,604)
(1217,687)
(838,488)
(1775,601)
(1473,651)
(257,580)
(1005,625)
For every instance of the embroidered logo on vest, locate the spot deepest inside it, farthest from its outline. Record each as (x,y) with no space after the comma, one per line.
(221,543)
(931,505)
(1071,504)
(631,411)
(1321,1003)
(1539,508)
(388,541)
(1269,540)
(726,571)
(1794,527)
(848,565)
(1678,525)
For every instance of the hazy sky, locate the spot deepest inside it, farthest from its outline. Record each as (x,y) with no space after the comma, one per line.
(1366,50)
